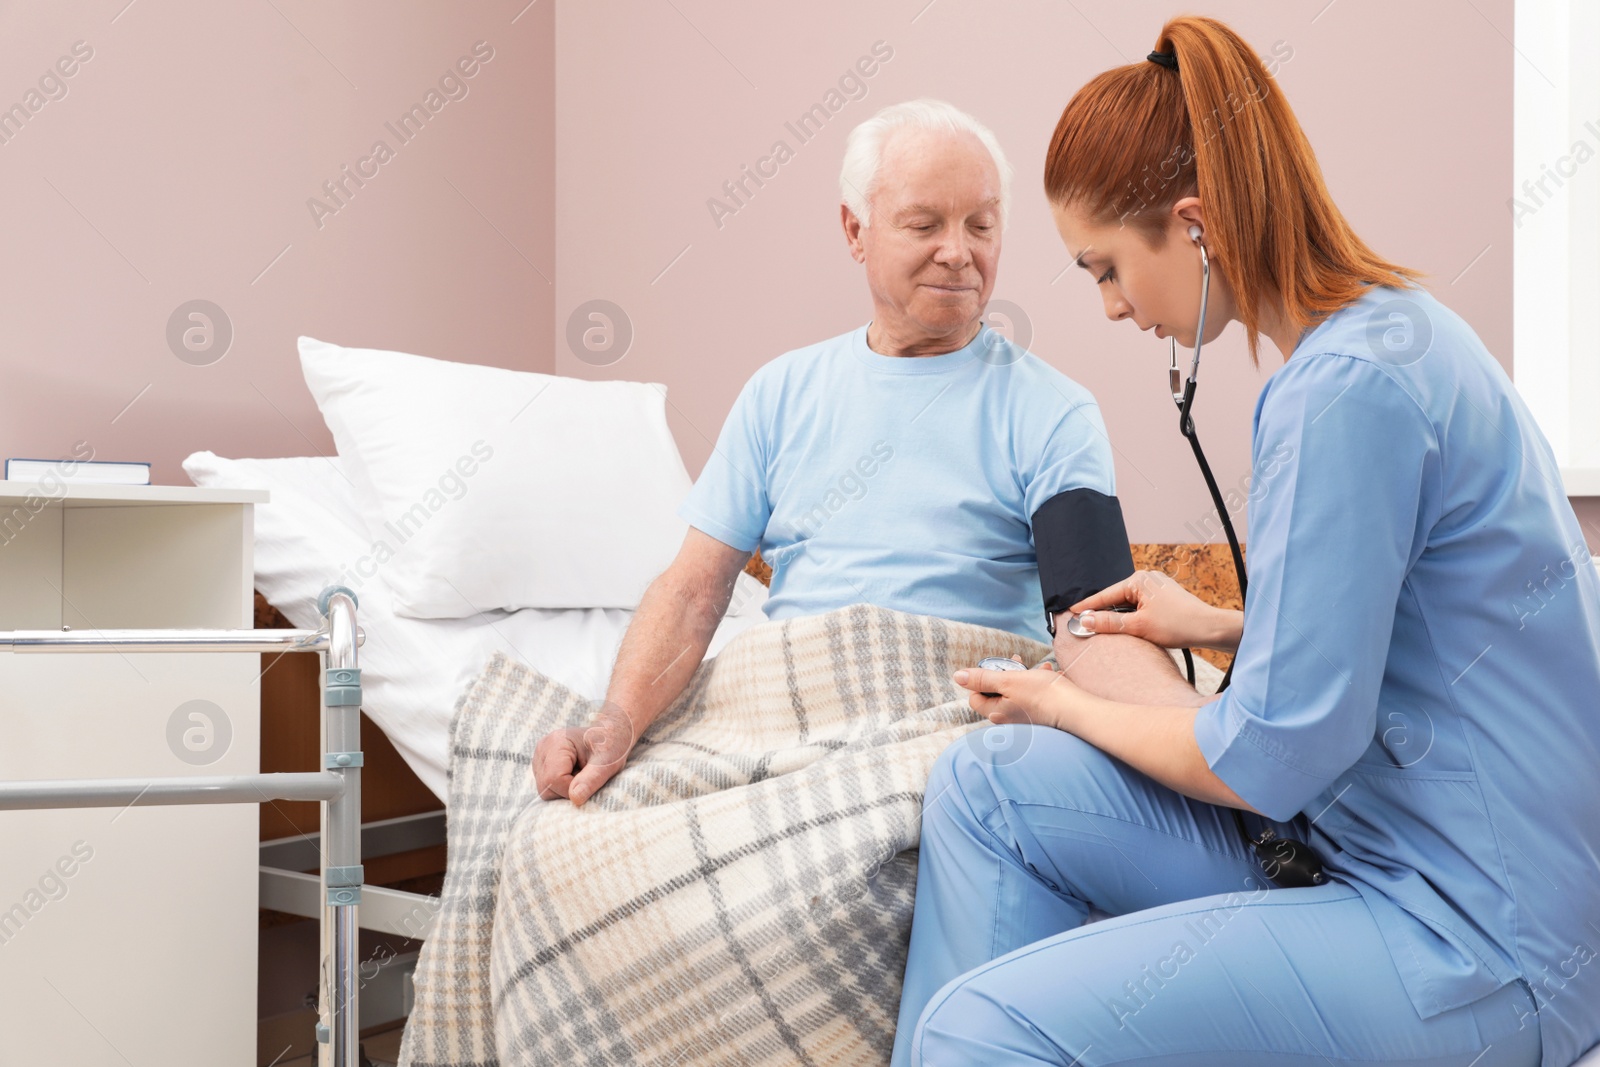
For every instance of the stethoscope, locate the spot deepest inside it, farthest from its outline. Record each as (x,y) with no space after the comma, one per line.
(1183,395)
(1285,861)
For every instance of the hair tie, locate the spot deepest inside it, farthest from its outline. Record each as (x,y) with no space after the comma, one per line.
(1165,59)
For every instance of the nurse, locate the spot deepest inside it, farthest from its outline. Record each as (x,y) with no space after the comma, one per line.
(1416,691)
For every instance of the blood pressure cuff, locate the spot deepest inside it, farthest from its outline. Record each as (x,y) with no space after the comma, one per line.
(1082,547)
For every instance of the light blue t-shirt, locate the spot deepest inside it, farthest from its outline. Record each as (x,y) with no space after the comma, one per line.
(905,482)
(1420,668)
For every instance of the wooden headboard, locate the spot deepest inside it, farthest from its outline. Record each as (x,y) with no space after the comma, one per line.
(1205,570)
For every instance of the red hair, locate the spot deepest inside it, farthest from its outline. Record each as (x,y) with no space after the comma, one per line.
(1126,150)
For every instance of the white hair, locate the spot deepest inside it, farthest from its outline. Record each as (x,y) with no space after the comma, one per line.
(863,149)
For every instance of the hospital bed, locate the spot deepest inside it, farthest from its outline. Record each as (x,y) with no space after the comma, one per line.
(306,536)
(167,559)
(413,671)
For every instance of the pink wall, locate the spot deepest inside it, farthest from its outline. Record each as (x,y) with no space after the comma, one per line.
(179,164)
(656,112)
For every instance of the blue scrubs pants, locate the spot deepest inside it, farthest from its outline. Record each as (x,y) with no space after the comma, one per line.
(1204,963)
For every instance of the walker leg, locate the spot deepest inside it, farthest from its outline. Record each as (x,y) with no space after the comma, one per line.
(341,835)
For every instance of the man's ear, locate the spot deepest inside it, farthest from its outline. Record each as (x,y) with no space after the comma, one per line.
(852,233)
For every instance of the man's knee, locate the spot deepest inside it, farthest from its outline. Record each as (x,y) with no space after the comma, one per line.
(943,773)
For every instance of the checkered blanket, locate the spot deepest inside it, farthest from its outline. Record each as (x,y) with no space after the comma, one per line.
(740,893)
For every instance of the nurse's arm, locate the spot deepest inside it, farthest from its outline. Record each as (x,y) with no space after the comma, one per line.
(1157,741)
(1133,704)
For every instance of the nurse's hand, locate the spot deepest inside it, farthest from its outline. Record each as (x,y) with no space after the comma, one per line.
(1165,613)
(1039,696)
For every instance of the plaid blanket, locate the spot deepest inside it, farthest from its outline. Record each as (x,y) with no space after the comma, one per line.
(740,893)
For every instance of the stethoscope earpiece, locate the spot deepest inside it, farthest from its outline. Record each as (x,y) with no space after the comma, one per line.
(1183,393)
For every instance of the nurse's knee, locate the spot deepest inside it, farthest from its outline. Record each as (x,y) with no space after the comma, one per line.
(987,767)
(1008,758)
(964,769)
(971,1017)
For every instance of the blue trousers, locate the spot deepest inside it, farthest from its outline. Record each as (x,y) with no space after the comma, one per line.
(1203,963)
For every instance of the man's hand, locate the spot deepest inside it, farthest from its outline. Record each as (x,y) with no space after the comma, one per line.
(578,760)
(1036,696)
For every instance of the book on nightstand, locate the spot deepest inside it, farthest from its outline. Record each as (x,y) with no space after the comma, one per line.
(78,470)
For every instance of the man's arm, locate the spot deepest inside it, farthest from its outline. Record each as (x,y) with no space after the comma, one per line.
(663,645)
(1082,546)
(672,628)
(1123,668)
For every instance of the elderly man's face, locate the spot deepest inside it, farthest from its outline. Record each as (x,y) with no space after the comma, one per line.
(933,242)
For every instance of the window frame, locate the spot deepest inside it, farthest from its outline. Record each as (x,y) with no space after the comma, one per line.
(1556,272)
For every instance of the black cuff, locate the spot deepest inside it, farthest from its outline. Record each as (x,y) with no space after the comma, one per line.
(1082,547)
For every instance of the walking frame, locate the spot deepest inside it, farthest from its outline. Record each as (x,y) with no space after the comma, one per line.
(337,786)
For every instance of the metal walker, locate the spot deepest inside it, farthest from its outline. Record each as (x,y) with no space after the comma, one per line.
(337,786)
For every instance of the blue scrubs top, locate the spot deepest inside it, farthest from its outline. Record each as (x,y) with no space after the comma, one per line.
(1420,668)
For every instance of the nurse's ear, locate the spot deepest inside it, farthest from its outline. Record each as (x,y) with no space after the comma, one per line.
(1189,216)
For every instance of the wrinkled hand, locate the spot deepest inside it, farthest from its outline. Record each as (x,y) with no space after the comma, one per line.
(1165,613)
(1037,696)
(577,761)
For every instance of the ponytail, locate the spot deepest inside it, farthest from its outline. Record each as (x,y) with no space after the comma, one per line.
(1139,138)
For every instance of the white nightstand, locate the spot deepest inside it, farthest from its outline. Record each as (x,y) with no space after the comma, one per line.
(128,935)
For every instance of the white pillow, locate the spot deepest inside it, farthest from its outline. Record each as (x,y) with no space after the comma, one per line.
(308,535)
(495,488)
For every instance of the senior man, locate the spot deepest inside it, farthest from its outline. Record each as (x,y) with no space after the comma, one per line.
(921,462)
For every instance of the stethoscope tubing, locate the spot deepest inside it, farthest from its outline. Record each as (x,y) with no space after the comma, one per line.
(1184,398)
(1301,857)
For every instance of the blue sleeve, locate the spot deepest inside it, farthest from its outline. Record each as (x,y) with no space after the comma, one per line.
(1075,455)
(729,501)
(1346,480)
